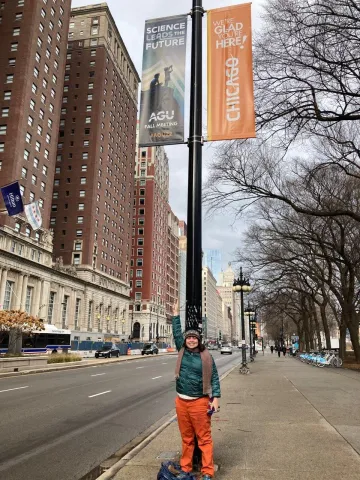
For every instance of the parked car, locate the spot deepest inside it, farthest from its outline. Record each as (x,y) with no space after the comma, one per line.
(226,349)
(107,352)
(149,349)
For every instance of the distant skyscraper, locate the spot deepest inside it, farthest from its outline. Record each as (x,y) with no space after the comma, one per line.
(212,260)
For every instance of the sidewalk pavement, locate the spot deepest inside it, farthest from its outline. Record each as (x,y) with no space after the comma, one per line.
(285,421)
(56,367)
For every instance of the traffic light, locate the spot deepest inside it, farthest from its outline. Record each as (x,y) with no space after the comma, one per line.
(219,335)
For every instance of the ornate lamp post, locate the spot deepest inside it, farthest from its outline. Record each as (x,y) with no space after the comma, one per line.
(253,331)
(242,285)
(150,326)
(250,314)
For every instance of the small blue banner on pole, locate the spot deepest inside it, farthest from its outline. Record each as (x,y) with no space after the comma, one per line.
(12,198)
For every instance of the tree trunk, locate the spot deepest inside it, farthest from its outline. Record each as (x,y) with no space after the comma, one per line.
(15,341)
(307,339)
(342,341)
(301,342)
(325,325)
(317,329)
(354,335)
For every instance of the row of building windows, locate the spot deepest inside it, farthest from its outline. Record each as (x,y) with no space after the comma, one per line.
(32,194)
(20,3)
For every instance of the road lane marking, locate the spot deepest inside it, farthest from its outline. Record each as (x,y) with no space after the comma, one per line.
(98,374)
(11,389)
(165,363)
(139,367)
(156,377)
(97,394)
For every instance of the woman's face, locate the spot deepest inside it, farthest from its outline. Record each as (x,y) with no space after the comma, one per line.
(192,342)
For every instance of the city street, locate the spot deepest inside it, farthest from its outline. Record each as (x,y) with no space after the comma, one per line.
(285,421)
(63,424)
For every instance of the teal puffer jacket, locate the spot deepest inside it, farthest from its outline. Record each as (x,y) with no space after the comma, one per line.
(190,379)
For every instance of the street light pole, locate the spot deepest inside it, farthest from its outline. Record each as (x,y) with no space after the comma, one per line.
(250,313)
(194,248)
(157,321)
(150,326)
(242,285)
(132,321)
(194,225)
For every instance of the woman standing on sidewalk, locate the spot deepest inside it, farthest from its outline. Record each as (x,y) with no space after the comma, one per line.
(197,385)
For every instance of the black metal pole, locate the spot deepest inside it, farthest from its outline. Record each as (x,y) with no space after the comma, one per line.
(243,347)
(250,336)
(150,327)
(132,321)
(254,333)
(157,325)
(194,244)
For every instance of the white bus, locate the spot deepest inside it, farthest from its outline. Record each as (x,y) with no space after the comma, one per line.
(44,341)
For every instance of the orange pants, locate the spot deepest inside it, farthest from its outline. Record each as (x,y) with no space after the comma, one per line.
(193,420)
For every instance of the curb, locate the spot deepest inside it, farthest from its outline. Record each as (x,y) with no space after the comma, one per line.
(109,474)
(79,365)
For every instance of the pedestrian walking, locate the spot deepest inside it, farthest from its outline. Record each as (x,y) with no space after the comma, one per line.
(198,393)
(279,351)
(272,349)
(284,350)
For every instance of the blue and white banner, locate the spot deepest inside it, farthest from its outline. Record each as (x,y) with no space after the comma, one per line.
(33,215)
(162,102)
(12,198)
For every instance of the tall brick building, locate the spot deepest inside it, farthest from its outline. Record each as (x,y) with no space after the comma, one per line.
(84,285)
(93,187)
(32,60)
(172,264)
(153,271)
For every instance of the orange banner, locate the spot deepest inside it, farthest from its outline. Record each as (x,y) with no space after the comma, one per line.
(231,112)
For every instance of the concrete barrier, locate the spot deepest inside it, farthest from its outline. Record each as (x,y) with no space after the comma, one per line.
(16,364)
(135,352)
(84,353)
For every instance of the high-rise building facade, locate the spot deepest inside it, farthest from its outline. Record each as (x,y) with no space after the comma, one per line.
(212,260)
(182,271)
(172,264)
(210,304)
(32,58)
(91,212)
(148,274)
(34,35)
(225,288)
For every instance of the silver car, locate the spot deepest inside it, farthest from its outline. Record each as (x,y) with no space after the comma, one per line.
(226,349)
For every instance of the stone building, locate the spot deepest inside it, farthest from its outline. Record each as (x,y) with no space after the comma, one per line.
(90,304)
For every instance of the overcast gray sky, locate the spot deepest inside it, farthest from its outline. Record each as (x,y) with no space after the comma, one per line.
(218,232)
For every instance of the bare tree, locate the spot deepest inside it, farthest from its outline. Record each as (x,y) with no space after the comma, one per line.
(307,64)
(244,172)
(316,258)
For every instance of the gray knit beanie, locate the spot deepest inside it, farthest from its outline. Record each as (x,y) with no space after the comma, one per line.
(193,333)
